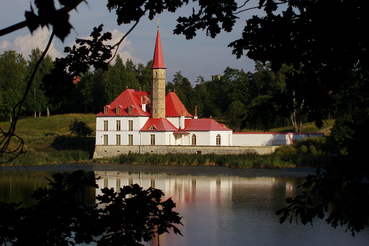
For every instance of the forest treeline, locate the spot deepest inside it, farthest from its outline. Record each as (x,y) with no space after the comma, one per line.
(243,99)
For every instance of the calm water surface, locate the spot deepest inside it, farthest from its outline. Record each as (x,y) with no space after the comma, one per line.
(216,210)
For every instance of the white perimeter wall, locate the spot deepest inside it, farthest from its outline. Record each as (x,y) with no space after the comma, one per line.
(268,138)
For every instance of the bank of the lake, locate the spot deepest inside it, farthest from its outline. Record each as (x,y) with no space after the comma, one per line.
(209,171)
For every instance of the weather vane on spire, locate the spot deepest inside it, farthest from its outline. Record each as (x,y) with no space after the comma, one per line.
(158,22)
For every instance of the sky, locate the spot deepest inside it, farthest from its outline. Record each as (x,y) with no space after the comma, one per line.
(201,56)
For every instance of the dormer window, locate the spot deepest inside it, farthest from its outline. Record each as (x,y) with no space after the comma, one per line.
(118,110)
(106,109)
(152,127)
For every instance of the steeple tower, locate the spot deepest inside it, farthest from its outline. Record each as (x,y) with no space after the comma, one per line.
(158,81)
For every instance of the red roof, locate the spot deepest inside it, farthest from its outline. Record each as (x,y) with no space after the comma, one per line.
(174,107)
(158,125)
(158,61)
(204,125)
(130,98)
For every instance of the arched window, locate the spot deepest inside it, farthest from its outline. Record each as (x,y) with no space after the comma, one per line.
(193,139)
(218,140)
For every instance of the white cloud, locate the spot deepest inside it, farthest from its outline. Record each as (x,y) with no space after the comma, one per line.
(25,44)
(125,50)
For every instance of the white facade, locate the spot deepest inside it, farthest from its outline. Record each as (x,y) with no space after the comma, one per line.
(112,131)
(109,129)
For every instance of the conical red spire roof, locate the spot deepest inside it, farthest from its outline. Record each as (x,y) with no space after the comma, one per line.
(158,61)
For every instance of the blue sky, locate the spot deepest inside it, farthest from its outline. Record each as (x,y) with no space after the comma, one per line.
(200,56)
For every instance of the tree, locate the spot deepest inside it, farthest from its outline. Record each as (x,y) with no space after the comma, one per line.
(126,217)
(184,90)
(306,36)
(235,114)
(36,100)
(12,75)
(144,75)
(80,128)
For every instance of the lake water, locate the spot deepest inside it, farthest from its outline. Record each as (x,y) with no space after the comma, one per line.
(216,209)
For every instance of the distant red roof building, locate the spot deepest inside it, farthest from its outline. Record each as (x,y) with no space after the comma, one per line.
(76,80)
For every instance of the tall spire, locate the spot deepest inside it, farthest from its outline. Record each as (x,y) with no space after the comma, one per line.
(158,82)
(158,61)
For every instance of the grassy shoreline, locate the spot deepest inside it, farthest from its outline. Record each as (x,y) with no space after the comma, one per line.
(48,141)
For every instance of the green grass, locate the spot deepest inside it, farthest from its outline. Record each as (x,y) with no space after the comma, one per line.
(306,127)
(48,140)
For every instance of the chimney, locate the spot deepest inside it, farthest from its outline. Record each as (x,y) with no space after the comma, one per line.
(143,103)
(195,112)
(182,120)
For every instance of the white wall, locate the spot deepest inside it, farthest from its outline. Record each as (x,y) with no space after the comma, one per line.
(268,138)
(138,123)
(209,138)
(161,138)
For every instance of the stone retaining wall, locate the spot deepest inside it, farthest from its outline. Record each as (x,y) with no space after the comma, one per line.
(108,151)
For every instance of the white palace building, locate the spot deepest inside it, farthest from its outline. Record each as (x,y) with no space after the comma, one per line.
(150,122)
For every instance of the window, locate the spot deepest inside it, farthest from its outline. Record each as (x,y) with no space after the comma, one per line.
(105,125)
(105,139)
(130,139)
(117,139)
(106,110)
(193,139)
(118,125)
(152,139)
(218,140)
(130,110)
(118,110)
(130,125)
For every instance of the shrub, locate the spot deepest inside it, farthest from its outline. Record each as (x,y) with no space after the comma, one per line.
(80,128)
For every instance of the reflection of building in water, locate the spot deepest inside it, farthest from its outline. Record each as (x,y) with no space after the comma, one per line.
(218,207)
(185,188)
(180,188)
